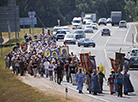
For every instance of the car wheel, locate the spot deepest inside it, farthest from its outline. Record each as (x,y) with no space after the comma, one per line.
(102,34)
(74,43)
(105,24)
(93,45)
(56,39)
(112,24)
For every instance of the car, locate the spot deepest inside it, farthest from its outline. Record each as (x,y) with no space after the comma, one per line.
(109,20)
(76,23)
(94,26)
(134,62)
(106,31)
(89,21)
(70,38)
(86,42)
(79,34)
(56,28)
(65,27)
(88,29)
(68,31)
(60,34)
(122,24)
(133,53)
(102,21)
(86,19)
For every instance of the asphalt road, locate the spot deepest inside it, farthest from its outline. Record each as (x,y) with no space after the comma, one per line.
(106,46)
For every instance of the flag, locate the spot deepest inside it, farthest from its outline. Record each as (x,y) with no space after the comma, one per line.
(126,63)
(114,63)
(92,61)
(101,67)
(54,53)
(84,57)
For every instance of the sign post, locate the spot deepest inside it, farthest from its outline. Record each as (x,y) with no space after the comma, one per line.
(9,31)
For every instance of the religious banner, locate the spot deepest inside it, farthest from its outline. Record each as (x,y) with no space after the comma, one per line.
(114,63)
(54,53)
(84,57)
(120,59)
(64,51)
(46,53)
(101,68)
(92,62)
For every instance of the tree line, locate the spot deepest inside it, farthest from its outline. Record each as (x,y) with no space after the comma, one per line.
(49,11)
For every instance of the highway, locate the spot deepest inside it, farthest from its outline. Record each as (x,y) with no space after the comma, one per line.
(106,46)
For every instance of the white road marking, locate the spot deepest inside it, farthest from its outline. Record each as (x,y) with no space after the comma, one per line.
(109,37)
(129,26)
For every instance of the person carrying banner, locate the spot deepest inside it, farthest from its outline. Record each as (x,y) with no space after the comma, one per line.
(127,83)
(80,78)
(88,75)
(119,77)
(101,76)
(95,83)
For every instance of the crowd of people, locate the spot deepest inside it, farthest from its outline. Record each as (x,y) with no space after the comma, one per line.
(28,58)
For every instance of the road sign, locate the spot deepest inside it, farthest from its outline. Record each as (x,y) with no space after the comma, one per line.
(1,40)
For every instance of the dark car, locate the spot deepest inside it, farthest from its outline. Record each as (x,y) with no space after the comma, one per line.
(102,21)
(106,31)
(86,42)
(134,62)
(79,34)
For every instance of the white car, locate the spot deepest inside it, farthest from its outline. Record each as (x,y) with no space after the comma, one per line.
(89,21)
(95,26)
(122,24)
(56,28)
(70,38)
(76,23)
(88,29)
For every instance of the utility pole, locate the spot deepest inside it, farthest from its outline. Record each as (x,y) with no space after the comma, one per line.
(9,31)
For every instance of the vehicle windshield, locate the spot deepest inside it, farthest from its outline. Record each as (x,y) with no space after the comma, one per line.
(78,32)
(87,39)
(87,18)
(134,59)
(94,24)
(63,32)
(88,26)
(103,19)
(70,36)
(123,22)
(76,21)
(105,29)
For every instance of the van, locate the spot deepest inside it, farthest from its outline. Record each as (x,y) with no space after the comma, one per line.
(76,23)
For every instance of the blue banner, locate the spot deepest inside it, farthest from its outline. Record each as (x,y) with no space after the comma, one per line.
(92,62)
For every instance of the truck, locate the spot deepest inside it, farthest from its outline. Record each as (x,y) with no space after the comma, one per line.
(116,17)
(89,16)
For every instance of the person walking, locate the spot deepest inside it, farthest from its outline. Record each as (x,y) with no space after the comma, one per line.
(59,73)
(80,78)
(72,72)
(50,68)
(95,83)
(67,68)
(101,76)
(17,64)
(128,87)
(34,66)
(111,83)
(46,64)
(22,66)
(119,77)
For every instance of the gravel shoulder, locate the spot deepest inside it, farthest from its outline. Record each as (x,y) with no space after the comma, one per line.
(48,87)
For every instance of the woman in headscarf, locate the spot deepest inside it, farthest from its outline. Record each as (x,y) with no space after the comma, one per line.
(80,78)
(127,83)
(95,83)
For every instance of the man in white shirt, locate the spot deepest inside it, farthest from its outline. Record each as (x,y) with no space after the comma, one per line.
(46,66)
